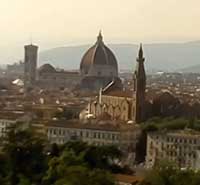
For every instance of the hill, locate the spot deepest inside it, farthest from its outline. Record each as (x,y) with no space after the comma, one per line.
(190,69)
(167,57)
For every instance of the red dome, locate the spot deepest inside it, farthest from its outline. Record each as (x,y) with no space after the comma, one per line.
(99,54)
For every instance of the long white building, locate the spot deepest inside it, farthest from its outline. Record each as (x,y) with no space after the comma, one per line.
(124,136)
(181,147)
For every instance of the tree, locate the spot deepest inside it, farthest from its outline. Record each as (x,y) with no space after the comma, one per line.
(25,156)
(24,161)
(102,157)
(66,114)
(166,173)
(71,169)
(54,150)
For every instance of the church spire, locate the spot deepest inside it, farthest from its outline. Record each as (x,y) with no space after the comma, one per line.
(140,71)
(139,87)
(140,54)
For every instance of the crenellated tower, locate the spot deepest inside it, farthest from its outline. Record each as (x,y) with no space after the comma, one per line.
(30,65)
(139,88)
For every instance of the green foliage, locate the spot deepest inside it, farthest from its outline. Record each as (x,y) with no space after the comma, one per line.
(73,167)
(25,161)
(54,150)
(23,180)
(80,176)
(166,173)
(170,123)
(66,114)
(102,157)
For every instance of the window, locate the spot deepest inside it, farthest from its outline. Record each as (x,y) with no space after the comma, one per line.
(185,140)
(162,146)
(167,139)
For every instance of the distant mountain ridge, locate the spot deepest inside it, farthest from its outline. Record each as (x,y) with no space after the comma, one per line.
(190,69)
(166,57)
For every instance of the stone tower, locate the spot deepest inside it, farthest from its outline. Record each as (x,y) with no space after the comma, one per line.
(139,88)
(30,65)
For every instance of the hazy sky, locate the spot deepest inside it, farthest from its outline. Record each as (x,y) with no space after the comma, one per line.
(55,23)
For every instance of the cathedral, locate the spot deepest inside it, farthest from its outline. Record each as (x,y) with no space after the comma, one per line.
(98,67)
(120,104)
(99,72)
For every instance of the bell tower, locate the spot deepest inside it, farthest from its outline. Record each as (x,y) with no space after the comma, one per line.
(139,88)
(30,65)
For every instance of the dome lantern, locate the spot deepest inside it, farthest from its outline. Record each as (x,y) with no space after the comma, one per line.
(100,37)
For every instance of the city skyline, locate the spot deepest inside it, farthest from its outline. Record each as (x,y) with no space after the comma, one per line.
(99,92)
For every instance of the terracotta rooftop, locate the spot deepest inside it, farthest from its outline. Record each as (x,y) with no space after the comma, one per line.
(130,179)
(99,54)
(11,115)
(118,93)
(95,125)
(47,68)
(184,133)
(77,125)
